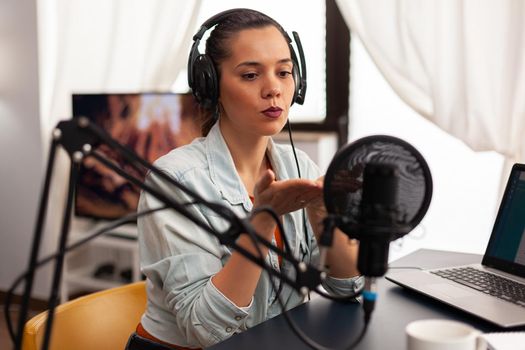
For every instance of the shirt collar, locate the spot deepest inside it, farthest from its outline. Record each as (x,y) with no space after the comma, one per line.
(222,168)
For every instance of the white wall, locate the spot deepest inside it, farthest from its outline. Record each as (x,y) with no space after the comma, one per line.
(21,155)
(320,147)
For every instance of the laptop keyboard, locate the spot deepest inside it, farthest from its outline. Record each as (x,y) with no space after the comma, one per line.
(485,282)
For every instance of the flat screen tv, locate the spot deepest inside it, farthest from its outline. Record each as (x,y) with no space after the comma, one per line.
(151,124)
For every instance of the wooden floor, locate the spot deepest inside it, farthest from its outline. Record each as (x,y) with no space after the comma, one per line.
(5,339)
(5,342)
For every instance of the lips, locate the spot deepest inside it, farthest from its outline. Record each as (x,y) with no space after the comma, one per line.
(273,112)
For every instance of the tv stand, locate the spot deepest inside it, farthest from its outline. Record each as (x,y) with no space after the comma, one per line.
(87,269)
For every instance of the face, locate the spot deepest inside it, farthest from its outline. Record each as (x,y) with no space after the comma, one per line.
(256,84)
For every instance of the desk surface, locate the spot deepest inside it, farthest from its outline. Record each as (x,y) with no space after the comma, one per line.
(337,325)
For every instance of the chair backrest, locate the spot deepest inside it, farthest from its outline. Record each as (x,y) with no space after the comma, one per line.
(102,320)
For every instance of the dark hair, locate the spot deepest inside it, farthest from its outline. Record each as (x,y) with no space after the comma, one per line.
(218,46)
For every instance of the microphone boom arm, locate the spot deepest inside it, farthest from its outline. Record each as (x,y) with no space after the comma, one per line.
(78,137)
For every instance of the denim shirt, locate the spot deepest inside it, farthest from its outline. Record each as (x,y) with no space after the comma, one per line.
(179,258)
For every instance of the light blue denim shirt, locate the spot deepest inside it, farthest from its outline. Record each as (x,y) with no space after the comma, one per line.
(179,258)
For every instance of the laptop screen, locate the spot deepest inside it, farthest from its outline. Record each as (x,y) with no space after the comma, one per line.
(506,249)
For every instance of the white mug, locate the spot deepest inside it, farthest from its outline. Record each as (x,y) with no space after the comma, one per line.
(435,334)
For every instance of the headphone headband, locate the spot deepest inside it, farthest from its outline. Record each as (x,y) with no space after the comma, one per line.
(214,20)
(202,73)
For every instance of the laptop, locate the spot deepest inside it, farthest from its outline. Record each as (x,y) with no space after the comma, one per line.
(495,289)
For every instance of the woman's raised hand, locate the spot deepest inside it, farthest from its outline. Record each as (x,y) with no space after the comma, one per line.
(286,196)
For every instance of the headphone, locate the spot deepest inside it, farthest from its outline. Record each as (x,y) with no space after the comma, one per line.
(202,74)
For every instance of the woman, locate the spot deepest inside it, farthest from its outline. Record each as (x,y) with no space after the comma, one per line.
(200,292)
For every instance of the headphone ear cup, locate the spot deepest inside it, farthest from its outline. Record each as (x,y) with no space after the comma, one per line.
(205,82)
(297,81)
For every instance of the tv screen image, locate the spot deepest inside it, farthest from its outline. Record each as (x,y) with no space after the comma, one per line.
(150,124)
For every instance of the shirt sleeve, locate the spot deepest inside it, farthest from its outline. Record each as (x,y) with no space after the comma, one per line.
(179,258)
(343,286)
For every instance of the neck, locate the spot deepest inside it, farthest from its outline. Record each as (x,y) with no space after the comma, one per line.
(248,155)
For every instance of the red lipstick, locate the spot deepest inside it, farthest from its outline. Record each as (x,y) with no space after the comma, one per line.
(273,112)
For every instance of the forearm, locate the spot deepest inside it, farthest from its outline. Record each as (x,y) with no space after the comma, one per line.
(239,268)
(342,256)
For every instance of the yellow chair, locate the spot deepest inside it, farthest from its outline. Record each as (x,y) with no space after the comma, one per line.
(102,320)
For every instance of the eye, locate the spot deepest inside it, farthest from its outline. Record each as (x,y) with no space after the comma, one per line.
(284,73)
(249,76)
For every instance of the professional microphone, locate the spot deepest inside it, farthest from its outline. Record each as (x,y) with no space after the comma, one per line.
(378,210)
(376,189)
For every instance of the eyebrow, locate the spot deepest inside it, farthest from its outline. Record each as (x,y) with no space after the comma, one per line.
(255,63)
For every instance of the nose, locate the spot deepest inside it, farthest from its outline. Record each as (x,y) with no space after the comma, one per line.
(271,89)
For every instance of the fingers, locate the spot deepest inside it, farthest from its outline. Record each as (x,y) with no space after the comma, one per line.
(264,181)
(298,192)
(286,196)
(347,180)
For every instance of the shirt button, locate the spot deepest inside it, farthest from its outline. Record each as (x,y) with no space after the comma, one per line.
(229,329)
(238,318)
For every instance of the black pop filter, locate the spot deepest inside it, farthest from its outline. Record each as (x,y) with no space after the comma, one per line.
(376,190)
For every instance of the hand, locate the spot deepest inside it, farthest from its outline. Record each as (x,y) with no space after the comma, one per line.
(348,180)
(285,196)
(316,210)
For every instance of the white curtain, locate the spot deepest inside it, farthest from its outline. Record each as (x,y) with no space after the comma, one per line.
(97,46)
(459,63)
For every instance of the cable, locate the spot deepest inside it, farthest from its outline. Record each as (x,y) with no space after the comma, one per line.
(345,299)
(318,290)
(300,334)
(350,298)
(124,220)
(312,343)
(275,217)
(289,127)
(307,340)
(293,147)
